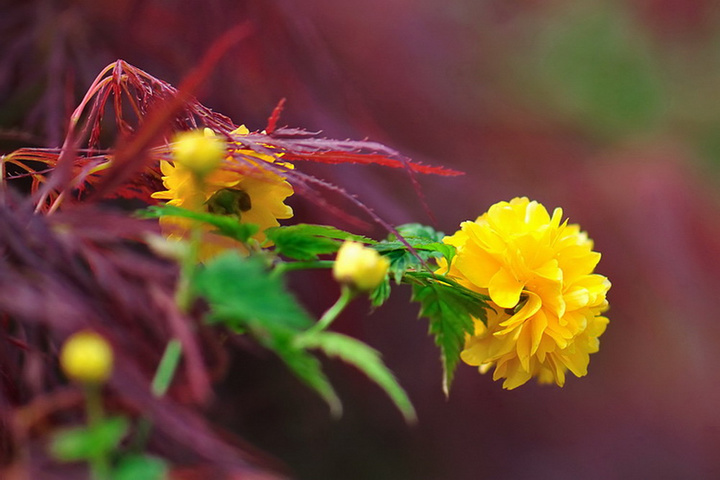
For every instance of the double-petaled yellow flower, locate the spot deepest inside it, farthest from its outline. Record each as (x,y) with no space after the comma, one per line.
(250,191)
(547,302)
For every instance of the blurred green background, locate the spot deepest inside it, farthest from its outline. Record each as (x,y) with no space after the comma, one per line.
(608,109)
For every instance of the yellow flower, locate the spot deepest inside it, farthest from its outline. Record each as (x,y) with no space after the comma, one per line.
(87,357)
(547,301)
(248,190)
(359,266)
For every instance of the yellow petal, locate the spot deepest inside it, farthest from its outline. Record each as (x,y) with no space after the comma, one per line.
(536,216)
(505,289)
(515,375)
(537,326)
(530,307)
(523,348)
(476,265)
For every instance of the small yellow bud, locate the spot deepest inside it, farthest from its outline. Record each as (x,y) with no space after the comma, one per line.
(86,357)
(359,266)
(198,152)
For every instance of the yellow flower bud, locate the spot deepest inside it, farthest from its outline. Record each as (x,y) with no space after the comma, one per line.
(359,266)
(198,152)
(87,357)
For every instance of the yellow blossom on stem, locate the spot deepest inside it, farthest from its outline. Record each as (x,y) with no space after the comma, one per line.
(538,272)
(86,357)
(359,266)
(249,191)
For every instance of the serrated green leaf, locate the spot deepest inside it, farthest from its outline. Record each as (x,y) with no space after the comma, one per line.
(450,310)
(307,368)
(301,247)
(240,289)
(447,251)
(419,232)
(401,261)
(319,231)
(227,225)
(89,442)
(306,242)
(426,242)
(140,467)
(364,358)
(244,295)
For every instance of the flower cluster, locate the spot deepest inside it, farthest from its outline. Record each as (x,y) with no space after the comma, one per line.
(547,302)
(249,191)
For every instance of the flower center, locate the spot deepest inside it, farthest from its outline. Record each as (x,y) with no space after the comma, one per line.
(512,311)
(229,201)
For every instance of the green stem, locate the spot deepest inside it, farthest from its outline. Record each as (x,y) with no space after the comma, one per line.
(289,266)
(183,295)
(159,387)
(99,464)
(346,295)
(166,369)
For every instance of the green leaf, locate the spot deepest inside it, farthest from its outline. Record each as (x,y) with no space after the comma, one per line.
(426,242)
(419,233)
(450,309)
(89,442)
(307,368)
(227,225)
(447,251)
(140,467)
(306,242)
(243,295)
(366,359)
(240,289)
(402,261)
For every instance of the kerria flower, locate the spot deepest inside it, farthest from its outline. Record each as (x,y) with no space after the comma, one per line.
(547,302)
(248,190)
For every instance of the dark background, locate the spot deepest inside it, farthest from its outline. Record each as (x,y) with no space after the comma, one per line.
(608,109)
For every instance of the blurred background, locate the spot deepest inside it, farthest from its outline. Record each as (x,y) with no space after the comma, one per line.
(607,108)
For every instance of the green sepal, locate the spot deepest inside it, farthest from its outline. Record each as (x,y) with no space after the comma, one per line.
(381,293)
